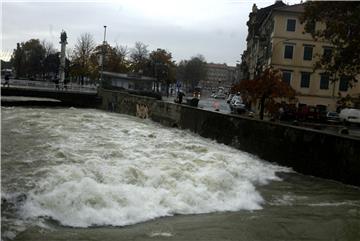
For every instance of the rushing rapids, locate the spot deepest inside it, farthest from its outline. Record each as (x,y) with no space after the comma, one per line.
(86,168)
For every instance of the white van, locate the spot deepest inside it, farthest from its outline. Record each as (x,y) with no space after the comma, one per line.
(349,115)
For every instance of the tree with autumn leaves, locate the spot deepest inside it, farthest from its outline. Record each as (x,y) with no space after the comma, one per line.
(341,27)
(163,67)
(267,90)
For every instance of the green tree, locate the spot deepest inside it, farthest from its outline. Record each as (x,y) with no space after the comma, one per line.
(35,55)
(163,67)
(6,64)
(342,30)
(195,70)
(52,64)
(28,59)
(266,89)
(115,60)
(18,60)
(180,71)
(51,60)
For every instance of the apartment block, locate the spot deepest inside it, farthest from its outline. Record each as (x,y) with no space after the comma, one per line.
(277,38)
(219,75)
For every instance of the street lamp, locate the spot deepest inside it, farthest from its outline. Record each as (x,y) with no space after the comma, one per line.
(103,57)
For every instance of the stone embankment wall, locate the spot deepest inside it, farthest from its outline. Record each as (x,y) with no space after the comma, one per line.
(307,151)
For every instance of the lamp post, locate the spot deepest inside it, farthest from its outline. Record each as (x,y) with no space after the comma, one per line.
(103,57)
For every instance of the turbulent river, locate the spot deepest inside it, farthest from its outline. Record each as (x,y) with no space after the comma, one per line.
(85,174)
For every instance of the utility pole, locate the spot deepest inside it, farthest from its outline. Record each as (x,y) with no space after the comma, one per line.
(103,57)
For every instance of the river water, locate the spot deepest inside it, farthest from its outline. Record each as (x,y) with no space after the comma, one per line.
(84,174)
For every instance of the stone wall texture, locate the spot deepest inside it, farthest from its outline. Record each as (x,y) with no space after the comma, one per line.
(305,150)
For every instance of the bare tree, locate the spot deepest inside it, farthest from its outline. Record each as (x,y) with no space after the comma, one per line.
(82,52)
(121,56)
(122,51)
(49,47)
(139,56)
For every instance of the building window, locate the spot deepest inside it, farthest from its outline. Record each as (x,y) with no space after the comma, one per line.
(288,53)
(308,52)
(286,76)
(305,80)
(344,83)
(327,53)
(324,81)
(312,26)
(291,25)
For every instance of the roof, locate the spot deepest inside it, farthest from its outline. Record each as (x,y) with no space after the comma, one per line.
(129,76)
(279,6)
(220,66)
(212,65)
(297,8)
(262,13)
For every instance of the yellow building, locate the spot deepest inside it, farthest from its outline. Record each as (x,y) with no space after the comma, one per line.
(277,38)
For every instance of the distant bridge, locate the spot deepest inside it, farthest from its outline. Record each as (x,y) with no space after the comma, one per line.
(69,95)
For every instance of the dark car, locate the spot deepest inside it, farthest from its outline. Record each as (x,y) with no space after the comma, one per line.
(308,113)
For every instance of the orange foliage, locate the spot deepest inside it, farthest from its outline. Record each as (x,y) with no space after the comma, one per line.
(267,88)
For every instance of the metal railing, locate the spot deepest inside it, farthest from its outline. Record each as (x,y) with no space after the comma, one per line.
(71,87)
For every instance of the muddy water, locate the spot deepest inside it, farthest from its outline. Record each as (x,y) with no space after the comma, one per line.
(75,174)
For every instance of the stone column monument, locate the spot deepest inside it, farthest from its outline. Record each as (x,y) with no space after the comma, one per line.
(63,43)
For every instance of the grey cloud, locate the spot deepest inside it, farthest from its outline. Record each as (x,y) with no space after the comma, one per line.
(220,38)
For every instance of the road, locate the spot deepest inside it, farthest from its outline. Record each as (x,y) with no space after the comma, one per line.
(220,105)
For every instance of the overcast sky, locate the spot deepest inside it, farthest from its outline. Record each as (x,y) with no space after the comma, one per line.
(214,28)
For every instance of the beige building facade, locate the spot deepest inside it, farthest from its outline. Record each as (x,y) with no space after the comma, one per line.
(219,75)
(277,38)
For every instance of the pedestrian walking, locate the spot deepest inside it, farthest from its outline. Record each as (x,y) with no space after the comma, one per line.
(180,96)
(7,80)
(57,84)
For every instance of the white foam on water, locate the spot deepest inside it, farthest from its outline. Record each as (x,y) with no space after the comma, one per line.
(163,234)
(335,204)
(119,170)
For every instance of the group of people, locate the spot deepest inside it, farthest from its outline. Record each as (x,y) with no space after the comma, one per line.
(62,85)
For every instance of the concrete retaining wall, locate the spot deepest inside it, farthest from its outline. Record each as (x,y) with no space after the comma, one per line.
(305,150)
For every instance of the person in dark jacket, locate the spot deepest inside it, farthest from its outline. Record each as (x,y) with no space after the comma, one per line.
(7,80)
(180,96)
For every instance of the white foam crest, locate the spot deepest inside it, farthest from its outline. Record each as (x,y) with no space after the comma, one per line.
(335,204)
(120,171)
(160,234)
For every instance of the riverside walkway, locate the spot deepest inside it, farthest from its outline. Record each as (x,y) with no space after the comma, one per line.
(71,94)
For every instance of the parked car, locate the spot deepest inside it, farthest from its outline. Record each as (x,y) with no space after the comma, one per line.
(332,117)
(220,96)
(192,101)
(237,107)
(308,113)
(288,114)
(349,115)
